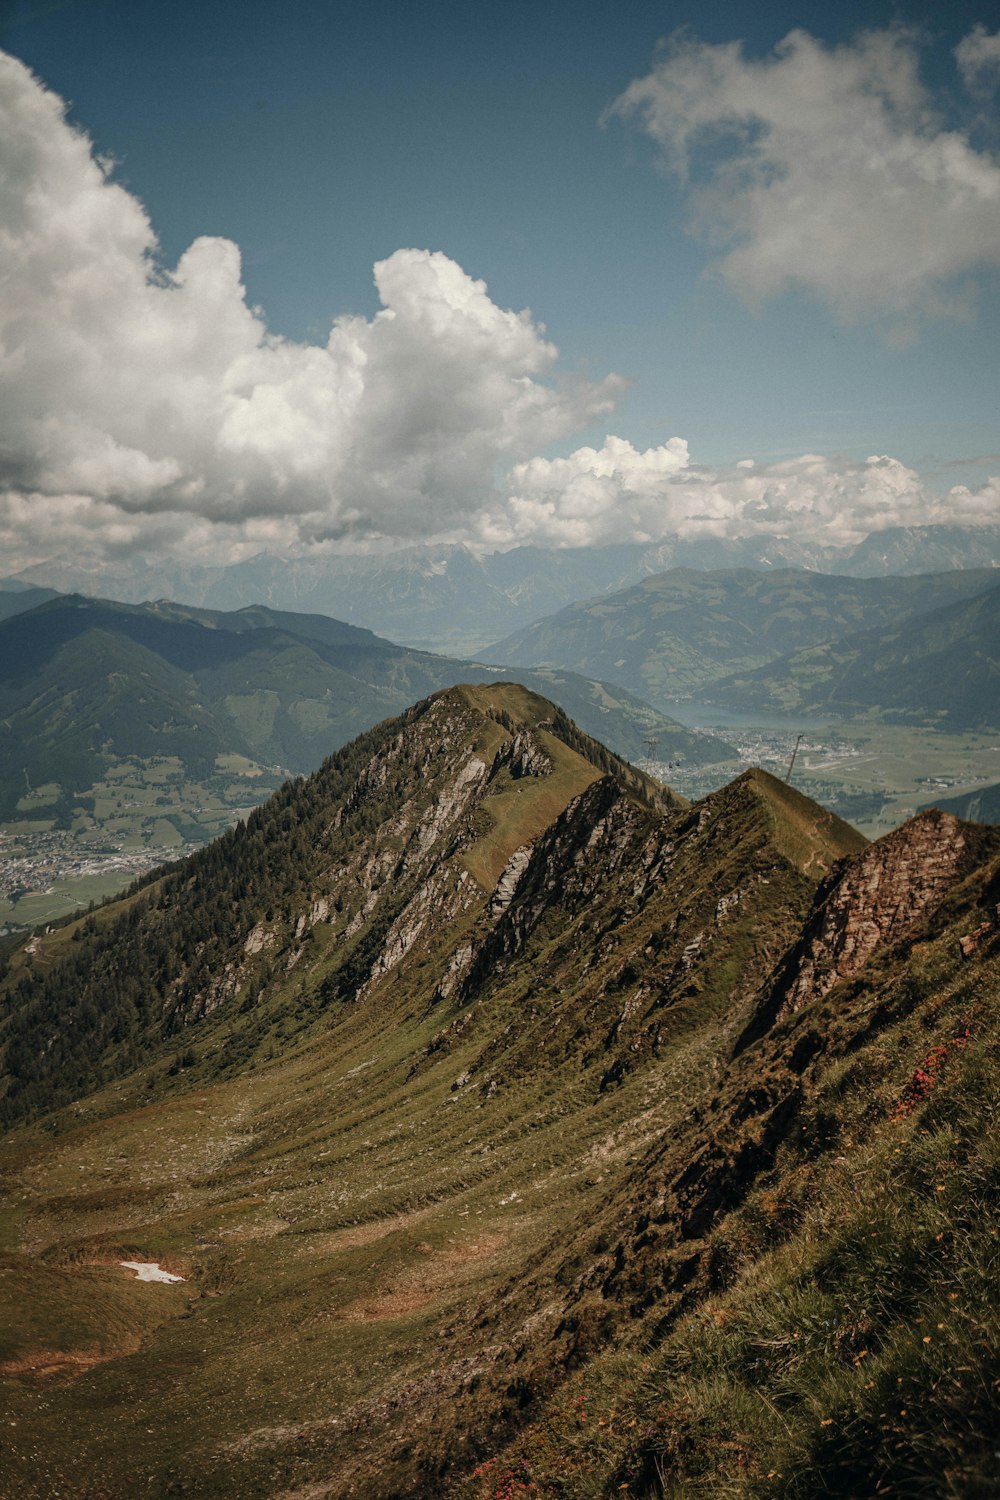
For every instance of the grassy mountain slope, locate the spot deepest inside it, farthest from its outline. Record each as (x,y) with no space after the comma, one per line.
(194,684)
(831,1327)
(678,632)
(941,668)
(979,806)
(512,1128)
(212,902)
(354,1070)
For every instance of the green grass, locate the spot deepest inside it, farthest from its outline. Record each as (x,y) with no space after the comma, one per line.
(424,1233)
(65,896)
(40,796)
(852,1349)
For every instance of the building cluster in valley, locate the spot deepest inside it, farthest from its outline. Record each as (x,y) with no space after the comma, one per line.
(34,863)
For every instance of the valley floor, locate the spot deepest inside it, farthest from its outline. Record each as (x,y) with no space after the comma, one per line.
(874,775)
(144,814)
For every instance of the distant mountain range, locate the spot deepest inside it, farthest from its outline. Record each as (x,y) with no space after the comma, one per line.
(447,598)
(86,683)
(679,633)
(16,599)
(940,667)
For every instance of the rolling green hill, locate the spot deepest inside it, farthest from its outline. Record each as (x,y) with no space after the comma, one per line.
(87,684)
(941,668)
(516,1130)
(677,633)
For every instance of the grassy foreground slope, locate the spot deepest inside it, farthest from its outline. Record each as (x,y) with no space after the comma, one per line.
(444,1103)
(840,1335)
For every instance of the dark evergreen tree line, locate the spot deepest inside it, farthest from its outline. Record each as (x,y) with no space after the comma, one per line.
(137,976)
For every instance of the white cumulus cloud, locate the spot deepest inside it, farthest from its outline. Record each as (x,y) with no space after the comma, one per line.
(978,58)
(617,494)
(602,494)
(160,398)
(827,169)
(146,410)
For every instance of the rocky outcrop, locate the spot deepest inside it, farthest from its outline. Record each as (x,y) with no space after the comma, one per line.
(576,856)
(510,875)
(438,901)
(865,903)
(257,939)
(522,756)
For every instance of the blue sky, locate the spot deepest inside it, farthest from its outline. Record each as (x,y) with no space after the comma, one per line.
(322,138)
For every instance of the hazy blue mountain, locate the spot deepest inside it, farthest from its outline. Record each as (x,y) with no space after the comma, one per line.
(940,668)
(449,598)
(678,632)
(923,549)
(86,682)
(16,598)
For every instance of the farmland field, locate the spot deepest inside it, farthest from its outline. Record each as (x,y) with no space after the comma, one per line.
(144,812)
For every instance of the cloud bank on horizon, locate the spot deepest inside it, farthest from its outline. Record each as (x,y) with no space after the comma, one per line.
(151,410)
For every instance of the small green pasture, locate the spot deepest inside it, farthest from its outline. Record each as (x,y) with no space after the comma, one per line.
(137,806)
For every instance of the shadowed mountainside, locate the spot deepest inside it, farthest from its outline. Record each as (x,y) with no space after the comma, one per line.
(940,668)
(979,806)
(86,684)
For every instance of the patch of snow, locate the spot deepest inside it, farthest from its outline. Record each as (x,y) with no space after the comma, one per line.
(149,1270)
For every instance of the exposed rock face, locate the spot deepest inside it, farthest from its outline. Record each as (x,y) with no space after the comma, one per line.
(420,800)
(509,877)
(440,899)
(258,938)
(575,856)
(865,903)
(524,757)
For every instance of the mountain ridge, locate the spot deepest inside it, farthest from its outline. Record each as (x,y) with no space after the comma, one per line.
(677,633)
(428,1080)
(449,598)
